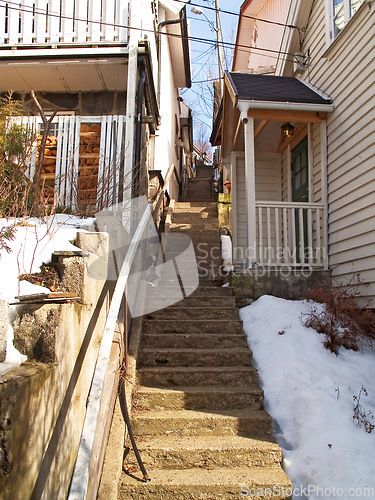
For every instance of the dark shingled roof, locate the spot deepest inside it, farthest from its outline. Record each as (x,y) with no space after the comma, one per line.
(253,87)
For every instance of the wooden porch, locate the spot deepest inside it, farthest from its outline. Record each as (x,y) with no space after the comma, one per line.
(270,129)
(53,22)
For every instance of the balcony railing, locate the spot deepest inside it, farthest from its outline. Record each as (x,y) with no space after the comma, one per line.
(52,22)
(290,234)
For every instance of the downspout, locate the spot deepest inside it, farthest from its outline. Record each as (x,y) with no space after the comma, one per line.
(138,134)
(160,26)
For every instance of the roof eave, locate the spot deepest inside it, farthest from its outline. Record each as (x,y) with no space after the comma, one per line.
(286,106)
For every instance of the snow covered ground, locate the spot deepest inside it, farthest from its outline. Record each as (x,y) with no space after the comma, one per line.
(309,393)
(33,245)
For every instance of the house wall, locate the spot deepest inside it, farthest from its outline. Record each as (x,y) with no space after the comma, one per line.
(267,188)
(266,34)
(166,151)
(346,73)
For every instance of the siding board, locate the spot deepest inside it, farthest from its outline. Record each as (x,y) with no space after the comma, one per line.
(346,73)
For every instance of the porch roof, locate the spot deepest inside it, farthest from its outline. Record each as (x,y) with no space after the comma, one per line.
(273,89)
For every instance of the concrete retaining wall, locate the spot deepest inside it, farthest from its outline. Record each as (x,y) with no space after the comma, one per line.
(43,402)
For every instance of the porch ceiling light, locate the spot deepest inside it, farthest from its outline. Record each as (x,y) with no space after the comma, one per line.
(287,130)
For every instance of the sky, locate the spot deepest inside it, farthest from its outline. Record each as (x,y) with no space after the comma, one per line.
(204,59)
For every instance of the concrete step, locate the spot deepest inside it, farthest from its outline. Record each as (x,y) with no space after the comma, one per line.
(199,398)
(212,291)
(177,376)
(226,301)
(196,206)
(195,357)
(182,216)
(193,341)
(208,484)
(192,326)
(256,424)
(185,313)
(169,452)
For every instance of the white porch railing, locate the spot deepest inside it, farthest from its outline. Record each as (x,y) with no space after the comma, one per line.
(28,22)
(290,234)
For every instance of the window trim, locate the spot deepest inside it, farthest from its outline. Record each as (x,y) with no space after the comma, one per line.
(330,38)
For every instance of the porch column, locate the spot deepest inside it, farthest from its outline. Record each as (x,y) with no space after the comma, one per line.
(324,182)
(250,190)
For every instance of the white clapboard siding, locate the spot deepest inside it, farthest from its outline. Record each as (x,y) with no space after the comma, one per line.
(346,73)
(63,21)
(269,35)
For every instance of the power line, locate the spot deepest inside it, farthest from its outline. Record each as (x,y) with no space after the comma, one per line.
(206,41)
(292,26)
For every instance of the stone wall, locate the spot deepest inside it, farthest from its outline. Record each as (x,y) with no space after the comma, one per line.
(291,285)
(43,402)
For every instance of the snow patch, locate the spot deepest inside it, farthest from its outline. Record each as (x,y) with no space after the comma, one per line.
(309,393)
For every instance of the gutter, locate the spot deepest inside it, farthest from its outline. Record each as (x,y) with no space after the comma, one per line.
(244,106)
(138,133)
(160,26)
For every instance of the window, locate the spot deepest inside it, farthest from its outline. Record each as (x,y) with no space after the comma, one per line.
(340,13)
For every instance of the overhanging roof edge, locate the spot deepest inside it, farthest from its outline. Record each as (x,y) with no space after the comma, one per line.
(286,106)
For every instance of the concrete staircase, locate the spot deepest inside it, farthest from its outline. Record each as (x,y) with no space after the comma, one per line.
(197,410)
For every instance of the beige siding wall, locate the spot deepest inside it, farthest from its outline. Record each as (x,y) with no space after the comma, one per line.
(346,72)
(268,35)
(267,188)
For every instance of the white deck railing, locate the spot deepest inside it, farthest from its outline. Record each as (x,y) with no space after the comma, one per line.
(290,234)
(85,162)
(28,22)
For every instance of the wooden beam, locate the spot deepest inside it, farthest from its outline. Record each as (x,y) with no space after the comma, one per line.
(259,128)
(235,135)
(287,116)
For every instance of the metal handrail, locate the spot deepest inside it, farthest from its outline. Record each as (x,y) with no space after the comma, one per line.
(81,473)
(80,478)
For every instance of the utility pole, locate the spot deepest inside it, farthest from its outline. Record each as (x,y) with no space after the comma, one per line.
(220,52)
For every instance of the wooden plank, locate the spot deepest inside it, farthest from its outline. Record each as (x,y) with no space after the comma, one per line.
(277,235)
(67,16)
(268,218)
(41,20)
(101,166)
(70,161)
(108,19)
(301,236)
(3,35)
(122,20)
(260,235)
(54,21)
(120,140)
(13,22)
(287,116)
(27,22)
(108,173)
(95,12)
(81,22)
(58,172)
(259,128)
(64,166)
(310,242)
(75,166)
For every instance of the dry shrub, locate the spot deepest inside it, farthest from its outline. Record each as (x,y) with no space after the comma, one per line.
(341,320)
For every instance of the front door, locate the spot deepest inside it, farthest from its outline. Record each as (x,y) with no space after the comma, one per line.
(300,193)
(300,172)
